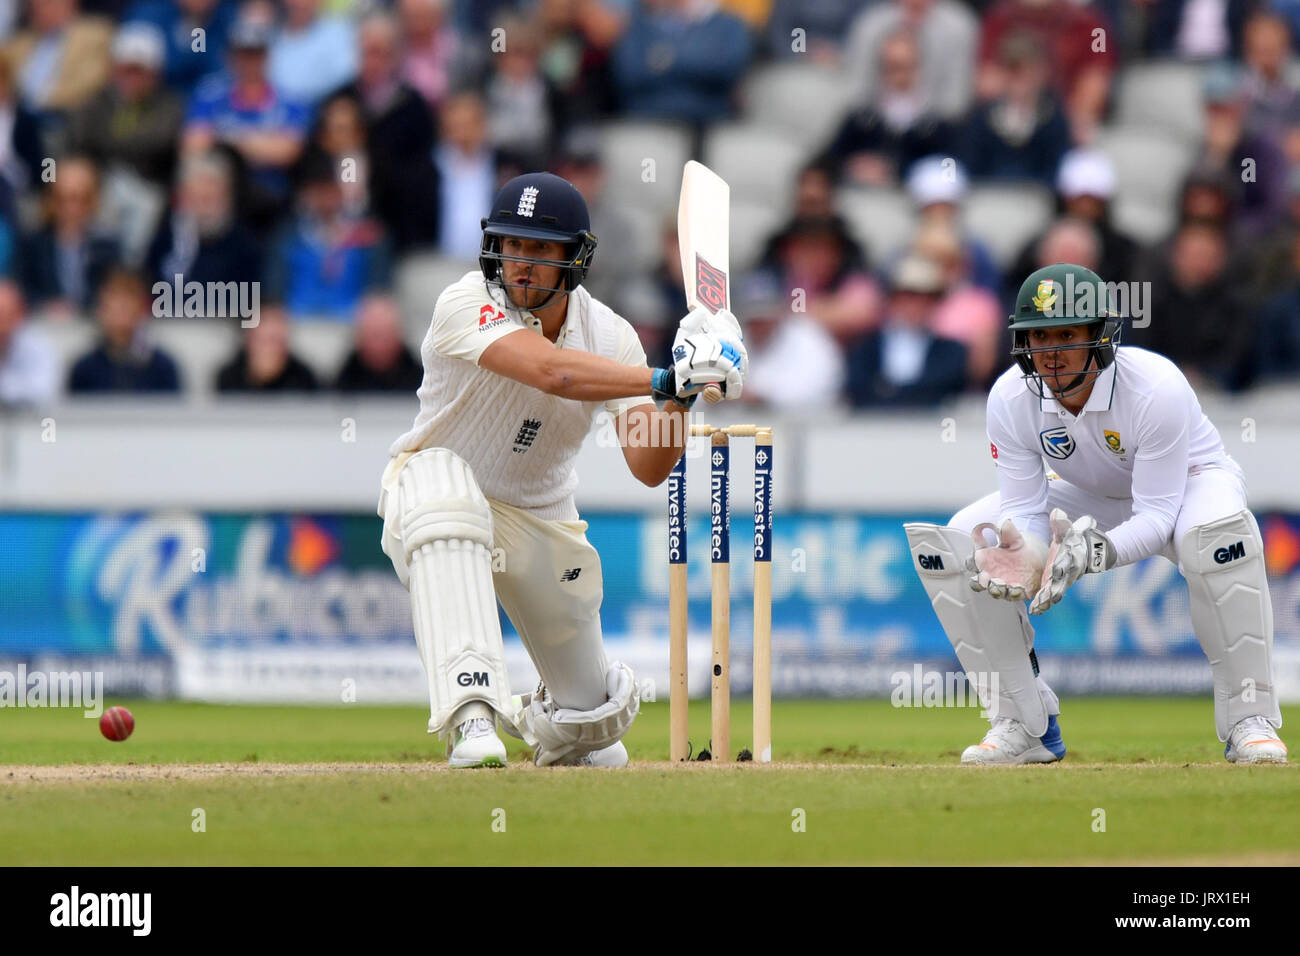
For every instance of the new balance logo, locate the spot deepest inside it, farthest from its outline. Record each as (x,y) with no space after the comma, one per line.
(527,433)
(571,574)
(1231,553)
(931,562)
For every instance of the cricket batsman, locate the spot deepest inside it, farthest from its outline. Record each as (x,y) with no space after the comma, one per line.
(477,498)
(1136,470)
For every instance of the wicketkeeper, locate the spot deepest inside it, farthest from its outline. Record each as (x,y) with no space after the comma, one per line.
(1136,470)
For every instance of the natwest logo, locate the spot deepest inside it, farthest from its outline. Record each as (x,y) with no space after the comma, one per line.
(489,313)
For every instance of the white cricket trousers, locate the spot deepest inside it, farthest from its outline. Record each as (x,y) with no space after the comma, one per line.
(1212,492)
(548,580)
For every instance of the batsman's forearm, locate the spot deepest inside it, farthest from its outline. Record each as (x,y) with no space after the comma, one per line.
(593,378)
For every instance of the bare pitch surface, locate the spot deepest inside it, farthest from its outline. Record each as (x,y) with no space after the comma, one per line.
(855,782)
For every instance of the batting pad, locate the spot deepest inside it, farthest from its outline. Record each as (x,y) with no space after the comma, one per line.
(990,636)
(446,527)
(1232,614)
(558,732)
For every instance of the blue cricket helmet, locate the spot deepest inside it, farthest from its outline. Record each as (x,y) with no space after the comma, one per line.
(539,206)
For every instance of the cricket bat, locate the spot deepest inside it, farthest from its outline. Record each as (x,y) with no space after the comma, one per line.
(703,238)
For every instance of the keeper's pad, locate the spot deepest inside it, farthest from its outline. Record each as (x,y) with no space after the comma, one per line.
(446,528)
(990,636)
(558,732)
(1223,562)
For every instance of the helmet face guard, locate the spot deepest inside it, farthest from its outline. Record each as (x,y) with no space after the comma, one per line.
(544,207)
(1101,354)
(572,269)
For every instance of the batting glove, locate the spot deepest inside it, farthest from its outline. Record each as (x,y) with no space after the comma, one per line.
(700,359)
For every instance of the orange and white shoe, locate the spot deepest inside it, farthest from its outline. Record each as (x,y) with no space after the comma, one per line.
(1008,743)
(1254,740)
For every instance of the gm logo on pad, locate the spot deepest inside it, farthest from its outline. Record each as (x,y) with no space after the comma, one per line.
(1231,553)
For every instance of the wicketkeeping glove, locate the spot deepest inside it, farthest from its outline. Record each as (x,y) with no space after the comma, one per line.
(1010,570)
(1077,549)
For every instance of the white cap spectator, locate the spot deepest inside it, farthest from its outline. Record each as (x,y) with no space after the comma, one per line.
(140,44)
(1086,172)
(917,274)
(936,179)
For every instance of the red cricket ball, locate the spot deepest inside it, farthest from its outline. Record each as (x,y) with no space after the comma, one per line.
(116,723)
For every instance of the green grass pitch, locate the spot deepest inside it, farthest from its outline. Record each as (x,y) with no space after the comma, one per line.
(852,782)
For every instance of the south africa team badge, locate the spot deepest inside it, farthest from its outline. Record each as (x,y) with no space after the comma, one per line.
(1113,442)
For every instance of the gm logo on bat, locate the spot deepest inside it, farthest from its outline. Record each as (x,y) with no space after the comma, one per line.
(710,285)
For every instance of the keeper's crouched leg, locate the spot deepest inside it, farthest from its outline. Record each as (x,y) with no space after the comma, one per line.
(445,527)
(1223,563)
(993,640)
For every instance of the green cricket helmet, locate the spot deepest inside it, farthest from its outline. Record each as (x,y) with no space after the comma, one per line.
(1056,296)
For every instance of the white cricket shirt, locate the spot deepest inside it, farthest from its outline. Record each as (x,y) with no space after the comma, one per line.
(1137,437)
(519,441)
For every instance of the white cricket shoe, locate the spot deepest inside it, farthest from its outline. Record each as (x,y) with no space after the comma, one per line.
(1253,740)
(477,745)
(1008,743)
(615,755)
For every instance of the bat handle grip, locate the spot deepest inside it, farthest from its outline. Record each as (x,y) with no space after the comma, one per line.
(712,394)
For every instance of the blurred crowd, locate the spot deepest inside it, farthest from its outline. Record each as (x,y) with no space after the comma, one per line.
(315,145)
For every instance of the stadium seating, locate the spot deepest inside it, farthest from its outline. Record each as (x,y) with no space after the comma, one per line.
(757,162)
(71,338)
(802,99)
(419,280)
(322,345)
(1150,166)
(1162,95)
(1005,217)
(626,146)
(882,219)
(643,253)
(751,225)
(199,346)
